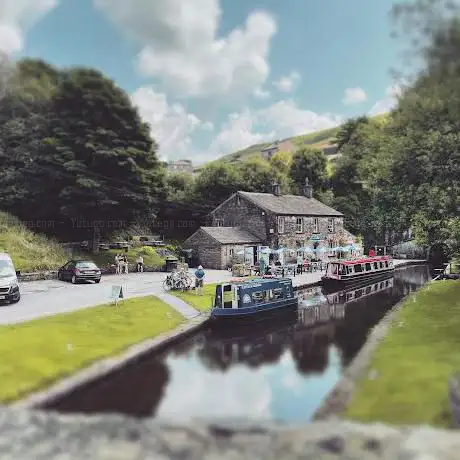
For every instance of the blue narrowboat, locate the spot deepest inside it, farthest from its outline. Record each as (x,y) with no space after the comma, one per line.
(251,298)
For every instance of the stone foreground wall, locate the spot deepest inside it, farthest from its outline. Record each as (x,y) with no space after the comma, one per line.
(46,436)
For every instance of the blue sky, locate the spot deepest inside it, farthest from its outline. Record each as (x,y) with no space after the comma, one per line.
(213,76)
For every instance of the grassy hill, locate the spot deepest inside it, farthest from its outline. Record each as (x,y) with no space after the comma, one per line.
(323,139)
(28,250)
(34,252)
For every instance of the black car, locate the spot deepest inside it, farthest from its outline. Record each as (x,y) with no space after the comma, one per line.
(79,270)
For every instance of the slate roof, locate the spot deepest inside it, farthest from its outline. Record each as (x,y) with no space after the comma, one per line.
(231,235)
(294,205)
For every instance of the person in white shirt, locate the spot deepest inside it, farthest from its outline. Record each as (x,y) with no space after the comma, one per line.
(140,263)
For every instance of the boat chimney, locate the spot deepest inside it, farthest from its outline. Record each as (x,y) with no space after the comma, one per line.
(307,189)
(276,188)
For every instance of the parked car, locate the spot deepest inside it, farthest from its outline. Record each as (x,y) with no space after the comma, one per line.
(104,246)
(9,287)
(79,270)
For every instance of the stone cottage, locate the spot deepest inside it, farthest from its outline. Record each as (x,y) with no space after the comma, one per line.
(250,220)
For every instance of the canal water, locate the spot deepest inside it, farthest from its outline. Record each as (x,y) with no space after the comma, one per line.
(276,369)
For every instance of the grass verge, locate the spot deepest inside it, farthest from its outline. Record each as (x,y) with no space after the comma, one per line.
(40,352)
(414,362)
(201,303)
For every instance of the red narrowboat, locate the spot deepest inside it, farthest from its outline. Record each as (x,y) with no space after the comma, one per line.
(355,272)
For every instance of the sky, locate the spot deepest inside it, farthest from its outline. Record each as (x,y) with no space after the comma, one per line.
(215,76)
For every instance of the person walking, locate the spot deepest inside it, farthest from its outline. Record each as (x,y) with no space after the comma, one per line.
(140,263)
(118,264)
(199,280)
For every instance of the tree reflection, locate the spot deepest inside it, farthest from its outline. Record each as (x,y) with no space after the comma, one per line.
(135,390)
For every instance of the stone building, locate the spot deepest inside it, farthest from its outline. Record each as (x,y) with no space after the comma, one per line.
(216,247)
(273,220)
(183,166)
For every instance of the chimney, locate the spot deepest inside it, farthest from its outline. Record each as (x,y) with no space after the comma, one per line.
(307,189)
(276,188)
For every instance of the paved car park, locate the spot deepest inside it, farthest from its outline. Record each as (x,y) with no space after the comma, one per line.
(45,298)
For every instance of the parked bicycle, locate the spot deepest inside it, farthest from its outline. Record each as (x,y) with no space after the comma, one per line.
(178,280)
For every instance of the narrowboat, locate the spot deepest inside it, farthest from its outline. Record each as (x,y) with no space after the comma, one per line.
(341,273)
(253,298)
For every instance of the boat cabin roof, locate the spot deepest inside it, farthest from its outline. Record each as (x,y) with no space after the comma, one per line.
(363,260)
(256,282)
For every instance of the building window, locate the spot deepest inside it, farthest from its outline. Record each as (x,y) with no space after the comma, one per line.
(299,225)
(280,224)
(330,225)
(238,200)
(231,252)
(218,222)
(331,247)
(315,225)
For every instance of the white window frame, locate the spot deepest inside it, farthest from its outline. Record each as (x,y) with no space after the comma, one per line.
(218,222)
(315,225)
(281,224)
(331,225)
(299,228)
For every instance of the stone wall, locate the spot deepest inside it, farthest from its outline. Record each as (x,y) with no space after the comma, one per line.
(52,274)
(239,212)
(290,236)
(209,251)
(48,436)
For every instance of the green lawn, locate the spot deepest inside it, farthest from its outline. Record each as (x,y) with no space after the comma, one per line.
(202,303)
(414,362)
(39,352)
(107,258)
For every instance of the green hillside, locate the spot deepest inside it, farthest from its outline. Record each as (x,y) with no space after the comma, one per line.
(319,139)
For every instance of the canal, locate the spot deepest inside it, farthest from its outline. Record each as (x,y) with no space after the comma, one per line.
(279,369)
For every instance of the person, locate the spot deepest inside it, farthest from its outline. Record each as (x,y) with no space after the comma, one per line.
(118,264)
(125,264)
(140,263)
(299,264)
(199,280)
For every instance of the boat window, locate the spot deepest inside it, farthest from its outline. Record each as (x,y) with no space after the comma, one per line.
(358,268)
(368,266)
(368,289)
(343,270)
(376,265)
(381,264)
(349,269)
(227,296)
(258,296)
(387,283)
(277,293)
(335,269)
(386,264)
(381,285)
(349,296)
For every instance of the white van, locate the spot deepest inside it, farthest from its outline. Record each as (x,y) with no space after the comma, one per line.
(9,287)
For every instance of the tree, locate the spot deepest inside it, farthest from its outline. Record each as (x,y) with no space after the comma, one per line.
(93,159)
(309,163)
(347,131)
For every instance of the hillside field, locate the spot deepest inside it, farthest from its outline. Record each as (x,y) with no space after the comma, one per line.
(319,139)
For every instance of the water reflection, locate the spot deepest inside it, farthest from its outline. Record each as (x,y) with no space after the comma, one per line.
(280,368)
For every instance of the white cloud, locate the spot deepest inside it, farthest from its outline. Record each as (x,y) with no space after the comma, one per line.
(260,93)
(389,102)
(16,16)
(182,49)
(287,83)
(171,125)
(354,96)
(194,391)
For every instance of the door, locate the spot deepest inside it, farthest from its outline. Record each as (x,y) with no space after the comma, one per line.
(255,255)
(68,270)
(249,255)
